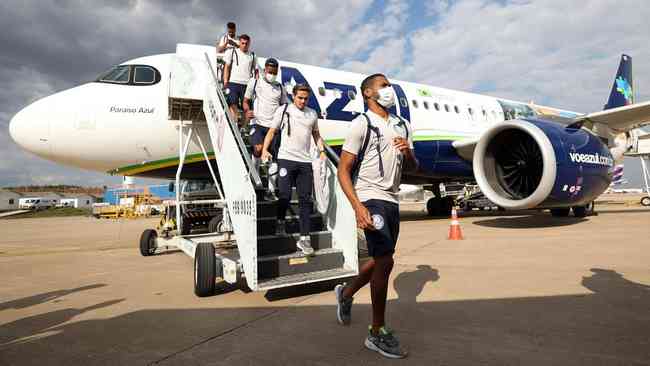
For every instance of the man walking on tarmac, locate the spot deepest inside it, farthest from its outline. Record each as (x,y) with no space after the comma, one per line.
(298,124)
(267,94)
(377,148)
(241,66)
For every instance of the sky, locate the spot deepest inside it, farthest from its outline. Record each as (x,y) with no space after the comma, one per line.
(558,53)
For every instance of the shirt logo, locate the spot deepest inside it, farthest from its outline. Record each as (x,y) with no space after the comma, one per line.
(283,172)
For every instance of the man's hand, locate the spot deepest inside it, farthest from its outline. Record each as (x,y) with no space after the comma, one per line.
(364,221)
(401,144)
(266,156)
(322,155)
(250,114)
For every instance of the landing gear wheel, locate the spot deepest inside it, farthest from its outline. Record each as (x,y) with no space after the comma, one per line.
(560,212)
(215,224)
(579,211)
(148,242)
(433,206)
(447,206)
(645,201)
(204,270)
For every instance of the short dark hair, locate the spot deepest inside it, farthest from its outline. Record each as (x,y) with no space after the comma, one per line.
(245,37)
(301,87)
(231,25)
(365,84)
(271,62)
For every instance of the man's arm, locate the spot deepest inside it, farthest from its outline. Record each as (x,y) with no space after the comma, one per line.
(226,75)
(221,46)
(315,133)
(267,142)
(248,95)
(344,174)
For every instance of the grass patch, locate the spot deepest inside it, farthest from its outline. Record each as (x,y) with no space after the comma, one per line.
(52,212)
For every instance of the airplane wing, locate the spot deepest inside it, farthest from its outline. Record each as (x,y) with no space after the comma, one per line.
(621,119)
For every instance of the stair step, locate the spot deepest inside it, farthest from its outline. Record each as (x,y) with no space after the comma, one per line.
(274,266)
(279,245)
(302,278)
(270,208)
(267,225)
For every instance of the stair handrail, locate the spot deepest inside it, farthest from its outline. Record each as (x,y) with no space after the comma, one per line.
(257,181)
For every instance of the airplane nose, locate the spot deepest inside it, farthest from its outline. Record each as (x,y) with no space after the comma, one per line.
(30,128)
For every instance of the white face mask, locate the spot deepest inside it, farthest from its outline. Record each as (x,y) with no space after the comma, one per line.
(270,77)
(386,97)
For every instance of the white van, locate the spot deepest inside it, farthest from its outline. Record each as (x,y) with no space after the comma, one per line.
(36,203)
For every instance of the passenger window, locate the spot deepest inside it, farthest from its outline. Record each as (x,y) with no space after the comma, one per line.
(426,105)
(415,103)
(321,91)
(471,112)
(403,102)
(118,74)
(456,109)
(436,106)
(352,94)
(144,75)
(446,107)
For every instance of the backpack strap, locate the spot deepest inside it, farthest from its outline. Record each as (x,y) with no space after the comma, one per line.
(284,111)
(254,89)
(362,152)
(252,71)
(235,56)
(403,122)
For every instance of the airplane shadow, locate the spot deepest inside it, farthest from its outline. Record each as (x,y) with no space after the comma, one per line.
(45,297)
(609,326)
(529,222)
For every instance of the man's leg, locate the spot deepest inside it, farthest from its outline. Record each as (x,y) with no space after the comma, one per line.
(304,186)
(365,273)
(379,289)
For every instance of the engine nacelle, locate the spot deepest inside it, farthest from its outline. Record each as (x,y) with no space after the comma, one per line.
(522,164)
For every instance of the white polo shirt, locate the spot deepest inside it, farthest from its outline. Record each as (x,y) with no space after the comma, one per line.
(243,65)
(370,184)
(302,123)
(268,97)
(223,41)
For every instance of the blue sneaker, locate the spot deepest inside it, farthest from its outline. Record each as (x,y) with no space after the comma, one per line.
(385,343)
(343,306)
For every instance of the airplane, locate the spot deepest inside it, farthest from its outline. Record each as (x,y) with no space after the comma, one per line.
(522,155)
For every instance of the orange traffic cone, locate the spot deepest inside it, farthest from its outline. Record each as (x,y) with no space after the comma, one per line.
(454,229)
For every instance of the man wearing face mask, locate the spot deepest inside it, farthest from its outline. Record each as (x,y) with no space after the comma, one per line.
(378,147)
(267,94)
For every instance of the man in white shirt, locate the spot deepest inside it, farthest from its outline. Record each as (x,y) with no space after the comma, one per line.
(298,124)
(228,41)
(376,150)
(241,66)
(266,95)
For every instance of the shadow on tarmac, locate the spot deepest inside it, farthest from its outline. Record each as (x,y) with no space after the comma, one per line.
(45,297)
(529,222)
(610,326)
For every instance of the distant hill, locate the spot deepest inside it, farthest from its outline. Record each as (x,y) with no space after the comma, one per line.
(61,188)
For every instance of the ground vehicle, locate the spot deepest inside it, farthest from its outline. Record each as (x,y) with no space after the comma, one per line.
(37,203)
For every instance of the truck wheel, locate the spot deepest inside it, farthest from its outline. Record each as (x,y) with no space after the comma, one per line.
(560,212)
(186,228)
(645,201)
(148,242)
(433,206)
(214,225)
(204,270)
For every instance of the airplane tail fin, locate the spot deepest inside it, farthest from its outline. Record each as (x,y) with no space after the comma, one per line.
(622,93)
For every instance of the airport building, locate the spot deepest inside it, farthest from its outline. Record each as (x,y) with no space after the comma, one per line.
(9,200)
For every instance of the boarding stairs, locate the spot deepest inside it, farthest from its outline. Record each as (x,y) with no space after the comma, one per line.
(264,259)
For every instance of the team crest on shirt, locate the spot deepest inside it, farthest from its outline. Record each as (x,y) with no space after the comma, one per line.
(283,172)
(377,221)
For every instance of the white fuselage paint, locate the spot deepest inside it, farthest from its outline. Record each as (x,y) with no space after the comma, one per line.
(105,127)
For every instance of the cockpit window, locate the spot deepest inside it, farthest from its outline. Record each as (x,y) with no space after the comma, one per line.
(144,75)
(141,75)
(118,74)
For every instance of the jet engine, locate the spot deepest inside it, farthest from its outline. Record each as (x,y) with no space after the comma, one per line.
(532,163)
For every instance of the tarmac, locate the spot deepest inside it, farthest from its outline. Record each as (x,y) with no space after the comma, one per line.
(521,289)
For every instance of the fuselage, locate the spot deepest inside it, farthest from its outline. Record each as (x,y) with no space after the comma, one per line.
(122,125)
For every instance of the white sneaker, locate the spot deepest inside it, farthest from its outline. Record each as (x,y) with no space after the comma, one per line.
(304,244)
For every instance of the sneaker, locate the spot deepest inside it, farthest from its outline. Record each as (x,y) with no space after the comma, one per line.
(304,244)
(385,343)
(343,306)
(280,228)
